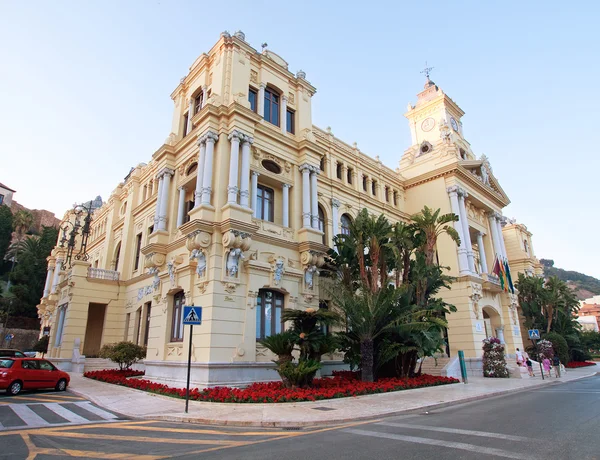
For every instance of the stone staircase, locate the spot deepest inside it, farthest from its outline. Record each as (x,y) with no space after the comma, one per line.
(98,364)
(430,366)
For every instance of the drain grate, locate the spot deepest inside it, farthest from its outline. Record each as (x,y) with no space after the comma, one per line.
(323,408)
(292,428)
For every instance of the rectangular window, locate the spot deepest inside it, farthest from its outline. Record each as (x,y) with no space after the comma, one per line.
(127,320)
(374,187)
(62,311)
(138,321)
(290,121)
(177,318)
(387,194)
(252,98)
(189,205)
(185,123)
(147,323)
(349,175)
(264,203)
(198,102)
(395,198)
(269,306)
(1,199)
(324,305)
(338,170)
(150,231)
(271,107)
(365,183)
(138,249)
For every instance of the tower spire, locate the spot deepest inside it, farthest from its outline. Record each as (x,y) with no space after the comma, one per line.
(427,71)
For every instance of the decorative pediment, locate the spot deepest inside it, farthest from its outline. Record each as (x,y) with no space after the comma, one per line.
(482,170)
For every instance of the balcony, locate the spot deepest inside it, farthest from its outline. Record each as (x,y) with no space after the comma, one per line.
(101,274)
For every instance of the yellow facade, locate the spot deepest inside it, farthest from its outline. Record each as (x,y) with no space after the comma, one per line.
(236,211)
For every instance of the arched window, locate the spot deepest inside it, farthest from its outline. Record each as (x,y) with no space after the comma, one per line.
(271,106)
(526,246)
(269,306)
(117,255)
(193,167)
(323,224)
(346,220)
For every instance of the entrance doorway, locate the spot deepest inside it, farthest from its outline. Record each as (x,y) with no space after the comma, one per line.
(491,322)
(94,329)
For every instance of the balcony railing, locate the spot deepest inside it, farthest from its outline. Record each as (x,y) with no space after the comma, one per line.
(101,274)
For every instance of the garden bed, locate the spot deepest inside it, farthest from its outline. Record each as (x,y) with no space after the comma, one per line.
(576,364)
(342,385)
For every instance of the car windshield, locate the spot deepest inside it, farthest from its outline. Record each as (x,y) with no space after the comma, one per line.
(6,363)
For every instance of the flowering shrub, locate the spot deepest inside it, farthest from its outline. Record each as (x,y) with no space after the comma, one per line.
(340,386)
(545,349)
(494,363)
(574,364)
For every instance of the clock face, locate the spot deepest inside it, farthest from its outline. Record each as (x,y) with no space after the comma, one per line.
(428,124)
(454,124)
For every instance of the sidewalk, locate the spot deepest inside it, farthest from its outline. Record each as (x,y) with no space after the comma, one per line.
(139,404)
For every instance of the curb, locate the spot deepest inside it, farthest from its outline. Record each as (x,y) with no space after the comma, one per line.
(284,424)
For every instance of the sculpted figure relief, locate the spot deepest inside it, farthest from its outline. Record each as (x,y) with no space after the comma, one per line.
(233,260)
(201,258)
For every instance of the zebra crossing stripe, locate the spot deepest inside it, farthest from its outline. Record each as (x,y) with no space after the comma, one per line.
(88,406)
(65,413)
(28,416)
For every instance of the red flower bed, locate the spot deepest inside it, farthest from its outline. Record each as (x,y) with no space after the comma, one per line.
(575,364)
(340,386)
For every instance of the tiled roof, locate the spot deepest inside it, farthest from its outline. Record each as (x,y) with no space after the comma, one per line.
(7,188)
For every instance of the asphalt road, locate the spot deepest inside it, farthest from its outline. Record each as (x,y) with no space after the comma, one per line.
(556,422)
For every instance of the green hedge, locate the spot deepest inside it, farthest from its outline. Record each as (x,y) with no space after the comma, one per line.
(560,346)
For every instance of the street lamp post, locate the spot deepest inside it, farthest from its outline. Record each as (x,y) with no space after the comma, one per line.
(70,241)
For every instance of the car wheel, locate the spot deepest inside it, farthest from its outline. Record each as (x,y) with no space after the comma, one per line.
(61,385)
(15,388)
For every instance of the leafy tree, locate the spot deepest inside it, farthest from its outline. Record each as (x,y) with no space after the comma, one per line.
(6,228)
(125,354)
(560,346)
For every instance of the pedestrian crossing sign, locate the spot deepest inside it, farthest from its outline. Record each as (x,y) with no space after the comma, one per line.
(192,315)
(534,334)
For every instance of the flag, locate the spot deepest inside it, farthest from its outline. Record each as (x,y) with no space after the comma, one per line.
(496,268)
(508,277)
(503,283)
(499,272)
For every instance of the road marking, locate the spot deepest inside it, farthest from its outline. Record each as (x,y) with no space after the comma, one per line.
(132,426)
(96,410)
(570,391)
(66,413)
(28,416)
(485,434)
(437,442)
(113,437)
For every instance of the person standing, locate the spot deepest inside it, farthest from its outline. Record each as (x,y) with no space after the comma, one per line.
(520,358)
(546,365)
(556,366)
(529,367)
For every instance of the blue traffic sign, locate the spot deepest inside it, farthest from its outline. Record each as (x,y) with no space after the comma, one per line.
(534,334)
(192,315)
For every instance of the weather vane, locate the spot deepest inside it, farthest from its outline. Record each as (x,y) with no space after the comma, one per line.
(427,70)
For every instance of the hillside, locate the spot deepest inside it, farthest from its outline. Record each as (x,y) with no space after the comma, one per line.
(584,286)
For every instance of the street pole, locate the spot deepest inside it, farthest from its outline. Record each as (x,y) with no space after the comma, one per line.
(538,355)
(187,386)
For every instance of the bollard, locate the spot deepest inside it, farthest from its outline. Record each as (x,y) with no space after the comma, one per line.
(463,366)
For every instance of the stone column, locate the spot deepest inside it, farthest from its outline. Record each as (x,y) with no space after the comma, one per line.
(181,207)
(286,204)
(190,116)
(200,170)
(335,207)
(283,114)
(254,192)
(482,258)
(232,189)
(495,239)
(305,170)
(500,334)
(57,270)
(260,108)
(501,236)
(245,177)
(48,284)
(158,202)
(204,96)
(211,138)
(465,224)
(164,199)
(463,261)
(314,203)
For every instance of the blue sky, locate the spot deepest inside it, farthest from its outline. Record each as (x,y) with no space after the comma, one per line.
(84,91)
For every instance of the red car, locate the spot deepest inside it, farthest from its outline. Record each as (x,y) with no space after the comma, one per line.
(18,374)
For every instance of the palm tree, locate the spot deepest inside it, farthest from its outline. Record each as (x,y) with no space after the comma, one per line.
(429,225)
(22,222)
(20,247)
(402,243)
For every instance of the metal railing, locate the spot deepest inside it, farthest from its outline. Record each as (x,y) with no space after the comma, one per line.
(101,274)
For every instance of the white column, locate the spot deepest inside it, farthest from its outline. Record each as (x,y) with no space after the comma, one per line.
(164,200)
(463,262)
(482,258)
(500,334)
(204,96)
(501,237)
(200,171)
(254,191)
(305,170)
(211,138)
(234,159)
(158,202)
(466,232)
(495,239)
(286,204)
(181,207)
(245,178)
(190,115)
(335,217)
(283,114)
(48,284)
(314,203)
(57,270)
(261,100)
